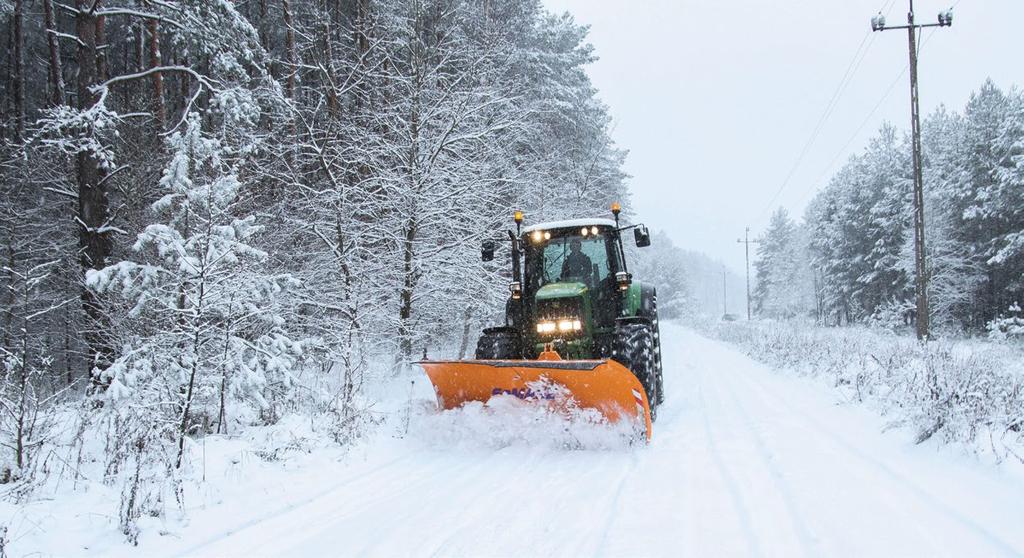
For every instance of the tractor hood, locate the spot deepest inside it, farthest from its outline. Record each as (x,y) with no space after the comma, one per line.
(561,290)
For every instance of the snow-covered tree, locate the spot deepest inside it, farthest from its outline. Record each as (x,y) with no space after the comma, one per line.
(857,228)
(204,325)
(783,287)
(861,234)
(664,265)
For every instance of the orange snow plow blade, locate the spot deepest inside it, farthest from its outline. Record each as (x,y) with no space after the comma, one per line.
(604,385)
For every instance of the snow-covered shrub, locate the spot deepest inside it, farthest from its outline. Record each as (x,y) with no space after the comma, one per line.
(27,409)
(202,327)
(961,392)
(19,405)
(892,316)
(1009,327)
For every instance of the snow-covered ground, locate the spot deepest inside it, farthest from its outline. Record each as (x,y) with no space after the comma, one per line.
(744,461)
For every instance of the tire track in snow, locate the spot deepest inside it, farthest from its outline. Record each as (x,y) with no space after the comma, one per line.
(387,490)
(194,549)
(806,538)
(325,519)
(735,497)
(511,485)
(897,479)
(602,545)
(885,498)
(468,474)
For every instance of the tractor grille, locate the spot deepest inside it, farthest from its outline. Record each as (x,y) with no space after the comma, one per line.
(560,310)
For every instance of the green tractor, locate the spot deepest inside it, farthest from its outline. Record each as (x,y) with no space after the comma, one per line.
(572,293)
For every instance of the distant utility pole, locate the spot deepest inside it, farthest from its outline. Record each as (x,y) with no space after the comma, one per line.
(747,242)
(921,281)
(725,306)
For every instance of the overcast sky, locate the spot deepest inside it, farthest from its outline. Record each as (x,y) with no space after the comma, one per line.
(716,100)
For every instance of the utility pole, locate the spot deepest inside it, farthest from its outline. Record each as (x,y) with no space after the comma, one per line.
(747,242)
(920,269)
(725,306)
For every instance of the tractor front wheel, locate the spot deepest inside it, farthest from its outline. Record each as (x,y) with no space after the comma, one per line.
(634,348)
(499,343)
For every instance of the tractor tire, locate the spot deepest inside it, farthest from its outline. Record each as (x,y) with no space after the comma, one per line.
(634,348)
(499,343)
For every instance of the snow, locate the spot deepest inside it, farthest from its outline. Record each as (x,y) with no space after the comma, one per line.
(744,461)
(569,223)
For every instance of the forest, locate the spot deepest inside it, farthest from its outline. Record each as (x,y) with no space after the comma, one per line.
(851,258)
(215,213)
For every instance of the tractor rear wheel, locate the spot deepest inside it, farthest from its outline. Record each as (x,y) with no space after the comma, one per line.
(499,343)
(634,348)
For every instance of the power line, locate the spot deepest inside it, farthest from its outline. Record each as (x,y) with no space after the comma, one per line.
(851,69)
(842,150)
(856,133)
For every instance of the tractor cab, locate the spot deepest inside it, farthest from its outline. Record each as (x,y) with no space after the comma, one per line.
(571,288)
(569,273)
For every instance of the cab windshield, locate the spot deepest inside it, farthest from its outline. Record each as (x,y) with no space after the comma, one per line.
(568,258)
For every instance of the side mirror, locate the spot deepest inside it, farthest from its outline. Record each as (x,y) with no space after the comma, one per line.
(487,251)
(642,236)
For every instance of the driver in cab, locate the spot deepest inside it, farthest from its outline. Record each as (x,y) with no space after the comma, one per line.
(577,265)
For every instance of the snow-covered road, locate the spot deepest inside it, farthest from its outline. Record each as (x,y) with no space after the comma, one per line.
(744,461)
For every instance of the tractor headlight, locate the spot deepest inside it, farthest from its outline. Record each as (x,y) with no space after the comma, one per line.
(569,325)
(561,326)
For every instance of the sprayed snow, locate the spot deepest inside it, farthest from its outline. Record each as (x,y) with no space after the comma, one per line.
(507,421)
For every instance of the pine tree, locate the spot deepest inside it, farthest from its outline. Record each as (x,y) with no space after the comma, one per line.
(783,289)
(203,320)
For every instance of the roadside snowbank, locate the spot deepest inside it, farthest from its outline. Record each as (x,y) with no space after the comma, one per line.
(964,392)
(77,499)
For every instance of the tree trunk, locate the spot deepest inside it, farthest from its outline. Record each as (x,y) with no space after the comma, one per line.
(185,82)
(159,109)
(264,36)
(289,45)
(330,83)
(102,73)
(58,97)
(362,23)
(10,296)
(186,410)
(93,242)
(18,73)
(466,324)
(408,288)
(292,66)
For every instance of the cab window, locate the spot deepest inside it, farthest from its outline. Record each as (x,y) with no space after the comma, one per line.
(572,258)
